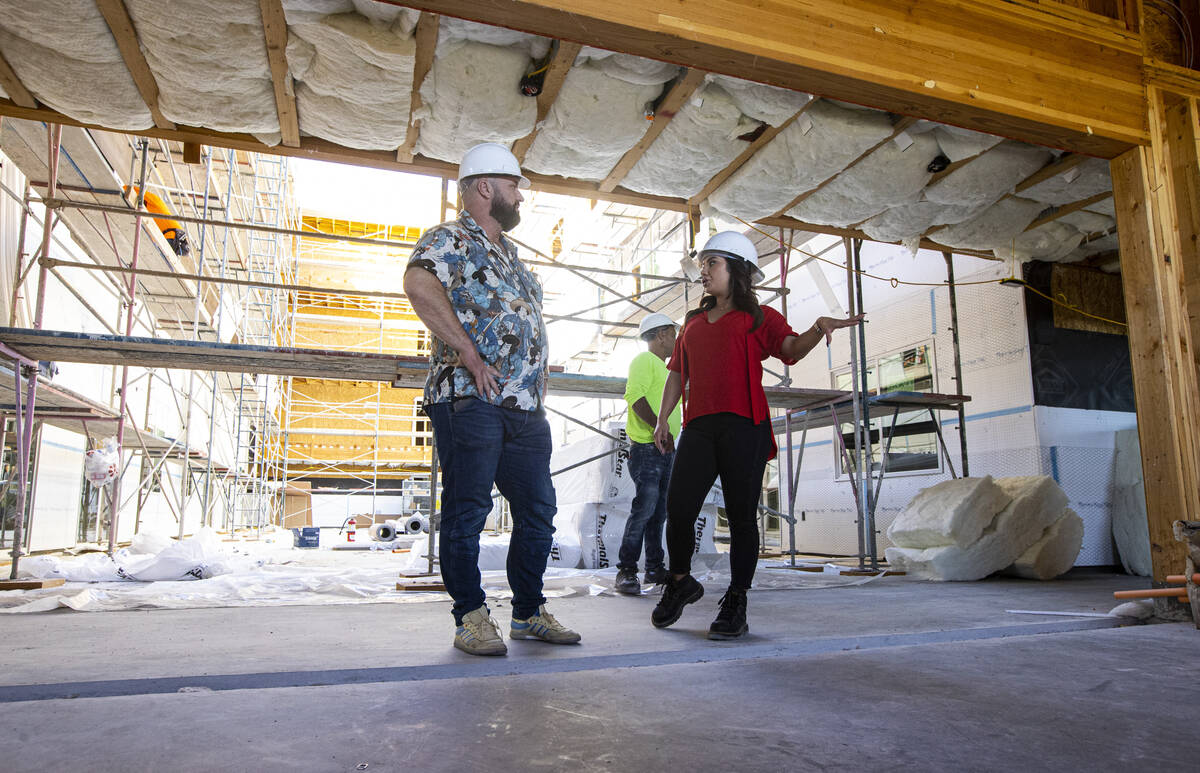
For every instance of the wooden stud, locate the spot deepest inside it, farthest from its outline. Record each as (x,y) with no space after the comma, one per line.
(191,153)
(680,93)
(556,74)
(275,35)
(426,36)
(902,125)
(13,86)
(121,26)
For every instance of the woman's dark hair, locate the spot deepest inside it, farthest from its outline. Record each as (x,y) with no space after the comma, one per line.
(741,290)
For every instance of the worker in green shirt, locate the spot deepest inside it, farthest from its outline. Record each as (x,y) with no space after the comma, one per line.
(649,467)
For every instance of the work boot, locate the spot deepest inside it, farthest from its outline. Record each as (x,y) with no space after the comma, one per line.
(731,620)
(627,582)
(677,594)
(656,576)
(542,625)
(478,634)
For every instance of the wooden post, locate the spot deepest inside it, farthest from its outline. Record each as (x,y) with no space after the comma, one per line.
(1155,193)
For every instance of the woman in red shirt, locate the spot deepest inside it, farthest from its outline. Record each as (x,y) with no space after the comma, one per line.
(726,424)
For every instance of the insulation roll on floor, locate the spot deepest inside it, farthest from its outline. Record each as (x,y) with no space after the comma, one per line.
(384,532)
(415,524)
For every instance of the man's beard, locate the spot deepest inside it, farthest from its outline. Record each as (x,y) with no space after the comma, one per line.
(505,214)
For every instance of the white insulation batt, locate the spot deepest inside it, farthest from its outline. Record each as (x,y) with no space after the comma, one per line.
(814,148)
(702,138)
(958,144)
(352,74)
(213,74)
(1054,553)
(988,177)
(64,53)
(953,512)
(994,229)
(1036,503)
(599,114)
(908,221)
(472,92)
(1080,182)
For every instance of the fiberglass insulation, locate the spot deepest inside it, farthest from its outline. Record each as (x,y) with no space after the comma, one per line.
(75,66)
(994,229)
(353,78)
(472,93)
(1083,181)
(213,74)
(814,148)
(599,114)
(988,177)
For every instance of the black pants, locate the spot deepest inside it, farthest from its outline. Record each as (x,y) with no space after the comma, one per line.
(730,446)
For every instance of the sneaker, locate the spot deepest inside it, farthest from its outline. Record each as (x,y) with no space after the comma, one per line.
(478,634)
(542,625)
(658,576)
(731,620)
(627,582)
(678,594)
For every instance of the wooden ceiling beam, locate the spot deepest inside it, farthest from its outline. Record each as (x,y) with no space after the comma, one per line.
(426,37)
(117,17)
(13,87)
(1067,209)
(275,35)
(1064,164)
(680,93)
(901,126)
(556,73)
(770,133)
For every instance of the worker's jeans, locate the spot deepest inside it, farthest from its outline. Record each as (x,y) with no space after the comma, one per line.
(479,444)
(651,473)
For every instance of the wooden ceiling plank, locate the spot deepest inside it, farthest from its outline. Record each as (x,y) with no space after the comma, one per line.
(13,87)
(758,144)
(680,93)
(556,75)
(117,17)
(901,126)
(426,37)
(275,35)
(1067,209)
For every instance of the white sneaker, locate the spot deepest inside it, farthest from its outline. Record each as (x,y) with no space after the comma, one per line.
(479,634)
(542,625)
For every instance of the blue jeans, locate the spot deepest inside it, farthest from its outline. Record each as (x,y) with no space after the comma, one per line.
(651,473)
(479,444)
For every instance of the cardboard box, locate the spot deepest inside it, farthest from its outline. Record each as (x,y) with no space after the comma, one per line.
(297,505)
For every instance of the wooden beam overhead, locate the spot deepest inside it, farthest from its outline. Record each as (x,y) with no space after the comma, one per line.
(121,26)
(1067,209)
(680,93)
(1067,162)
(901,126)
(13,87)
(1019,70)
(426,37)
(556,73)
(770,133)
(276,36)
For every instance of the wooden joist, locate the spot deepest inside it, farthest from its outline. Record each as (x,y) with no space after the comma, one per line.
(276,36)
(1067,209)
(680,93)
(556,73)
(121,26)
(426,37)
(1066,163)
(13,86)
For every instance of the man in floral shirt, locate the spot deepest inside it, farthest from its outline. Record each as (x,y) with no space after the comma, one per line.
(484,395)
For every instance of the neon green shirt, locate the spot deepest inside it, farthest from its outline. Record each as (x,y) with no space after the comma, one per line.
(647,377)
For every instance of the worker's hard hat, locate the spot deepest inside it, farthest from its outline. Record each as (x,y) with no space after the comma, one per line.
(490,158)
(653,322)
(731,244)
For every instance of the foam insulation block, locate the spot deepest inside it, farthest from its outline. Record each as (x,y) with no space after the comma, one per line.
(699,142)
(953,512)
(1037,501)
(471,95)
(909,221)
(994,229)
(814,148)
(213,74)
(957,144)
(985,179)
(1054,553)
(890,176)
(353,79)
(596,119)
(64,53)
(1131,529)
(1076,184)
(769,104)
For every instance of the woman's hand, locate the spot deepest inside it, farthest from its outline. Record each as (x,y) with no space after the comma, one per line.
(826,325)
(662,438)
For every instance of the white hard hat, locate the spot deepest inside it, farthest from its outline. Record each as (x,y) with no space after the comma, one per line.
(732,244)
(490,158)
(653,321)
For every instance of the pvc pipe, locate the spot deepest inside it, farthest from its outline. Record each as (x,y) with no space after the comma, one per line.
(1152,593)
(1179,579)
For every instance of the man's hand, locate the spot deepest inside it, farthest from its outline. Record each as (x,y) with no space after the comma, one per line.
(484,375)
(662,438)
(826,325)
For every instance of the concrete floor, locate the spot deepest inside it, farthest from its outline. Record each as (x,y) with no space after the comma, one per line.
(895,674)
